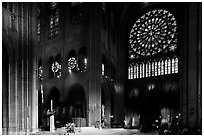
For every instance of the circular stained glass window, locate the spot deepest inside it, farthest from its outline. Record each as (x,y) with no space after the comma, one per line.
(153,33)
(72,63)
(55,67)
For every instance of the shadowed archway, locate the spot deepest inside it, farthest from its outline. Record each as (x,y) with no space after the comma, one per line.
(54,95)
(77,104)
(107,101)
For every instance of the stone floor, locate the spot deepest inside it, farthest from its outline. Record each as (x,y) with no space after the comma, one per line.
(96,131)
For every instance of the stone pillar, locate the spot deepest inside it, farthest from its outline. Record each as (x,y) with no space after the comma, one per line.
(190,67)
(12,99)
(94,101)
(120,76)
(32,21)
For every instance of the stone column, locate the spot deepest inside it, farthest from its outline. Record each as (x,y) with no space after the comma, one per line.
(190,67)
(32,22)
(94,102)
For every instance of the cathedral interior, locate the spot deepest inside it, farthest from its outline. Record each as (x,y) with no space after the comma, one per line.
(126,65)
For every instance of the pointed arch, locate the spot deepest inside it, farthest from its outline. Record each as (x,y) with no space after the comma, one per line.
(82,59)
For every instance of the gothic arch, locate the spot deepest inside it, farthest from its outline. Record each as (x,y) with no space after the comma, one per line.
(54,95)
(82,59)
(77,101)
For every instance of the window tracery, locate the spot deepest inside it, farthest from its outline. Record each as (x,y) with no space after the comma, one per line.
(38,30)
(153,35)
(155,32)
(72,63)
(40,70)
(53,20)
(56,69)
(55,66)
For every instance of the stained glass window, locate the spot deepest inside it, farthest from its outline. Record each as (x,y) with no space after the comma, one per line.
(159,68)
(38,29)
(103,70)
(55,66)
(141,70)
(53,20)
(162,67)
(132,71)
(56,21)
(135,70)
(147,70)
(129,72)
(85,63)
(137,76)
(153,34)
(56,69)
(156,70)
(173,67)
(169,66)
(176,65)
(38,25)
(76,16)
(40,70)
(166,66)
(40,73)
(152,73)
(72,63)
(82,60)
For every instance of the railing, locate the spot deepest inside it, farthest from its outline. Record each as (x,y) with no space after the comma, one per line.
(9,23)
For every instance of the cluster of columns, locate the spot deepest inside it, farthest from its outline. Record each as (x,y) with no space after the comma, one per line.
(20,112)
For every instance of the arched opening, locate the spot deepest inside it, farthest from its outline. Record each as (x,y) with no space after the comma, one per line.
(57,66)
(82,59)
(107,105)
(55,96)
(5,88)
(77,105)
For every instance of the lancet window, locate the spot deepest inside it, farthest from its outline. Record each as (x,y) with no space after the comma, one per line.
(53,20)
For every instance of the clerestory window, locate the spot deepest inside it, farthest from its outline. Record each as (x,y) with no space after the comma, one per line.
(53,20)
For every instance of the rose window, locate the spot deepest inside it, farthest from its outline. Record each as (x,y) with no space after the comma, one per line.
(153,33)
